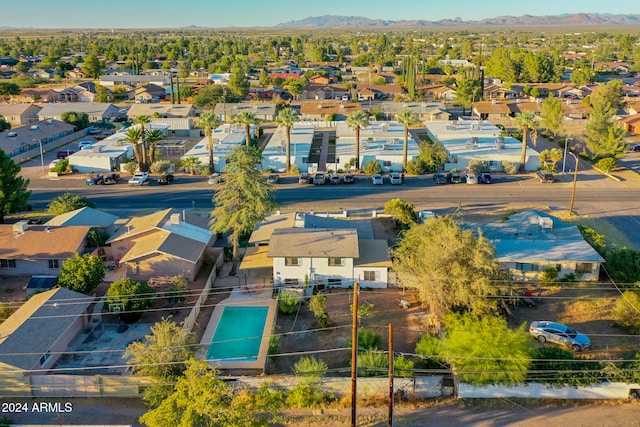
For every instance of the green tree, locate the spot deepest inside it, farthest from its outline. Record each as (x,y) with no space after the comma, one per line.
(238,82)
(161,357)
(142,121)
(372,167)
(4,124)
(97,237)
(200,398)
(243,199)
(357,121)
(295,88)
(92,66)
(192,163)
(403,212)
(209,121)
(246,119)
(68,202)
(318,306)
(133,136)
(485,350)
(7,89)
(582,76)
(13,188)
(468,89)
(81,273)
(626,311)
(603,135)
(134,296)
(407,118)
(154,136)
(450,267)
(309,366)
(552,115)
(526,121)
(79,120)
(102,94)
(287,117)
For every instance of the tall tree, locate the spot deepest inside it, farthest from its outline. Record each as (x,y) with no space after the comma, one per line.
(154,136)
(238,81)
(133,136)
(287,117)
(79,120)
(357,121)
(13,188)
(407,118)
(603,135)
(552,115)
(246,119)
(450,267)
(243,199)
(4,124)
(92,66)
(209,121)
(68,202)
(201,399)
(143,120)
(526,121)
(161,357)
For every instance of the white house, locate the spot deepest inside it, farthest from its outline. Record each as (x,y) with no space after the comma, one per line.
(297,248)
(224,138)
(380,141)
(530,242)
(467,140)
(274,154)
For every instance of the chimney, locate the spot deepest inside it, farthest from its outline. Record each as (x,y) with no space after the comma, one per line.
(20,227)
(175,218)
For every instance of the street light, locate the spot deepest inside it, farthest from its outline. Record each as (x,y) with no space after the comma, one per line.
(575,180)
(41,157)
(564,159)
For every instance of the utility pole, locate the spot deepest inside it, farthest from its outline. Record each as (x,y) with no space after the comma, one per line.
(391,368)
(354,353)
(575,180)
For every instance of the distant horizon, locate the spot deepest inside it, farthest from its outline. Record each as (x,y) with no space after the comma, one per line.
(150,14)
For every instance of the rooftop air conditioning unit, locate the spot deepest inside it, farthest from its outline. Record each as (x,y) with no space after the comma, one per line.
(20,227)
(98,149)
(545,222)
(35,128)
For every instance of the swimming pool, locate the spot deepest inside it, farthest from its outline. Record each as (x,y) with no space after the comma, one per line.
(238,334)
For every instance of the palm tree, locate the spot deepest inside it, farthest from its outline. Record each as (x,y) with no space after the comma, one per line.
(143,120)
(357,121)
(133,136)
(192,164)
(407,118)
(246,119)
(153,137)
(209,121)
(287,117)
(526,121)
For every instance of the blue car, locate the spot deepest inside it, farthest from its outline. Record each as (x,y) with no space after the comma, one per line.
(95,179)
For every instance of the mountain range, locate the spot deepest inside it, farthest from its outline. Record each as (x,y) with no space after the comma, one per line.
(565,20)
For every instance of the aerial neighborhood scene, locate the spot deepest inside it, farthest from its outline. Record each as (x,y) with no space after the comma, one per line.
(337,216)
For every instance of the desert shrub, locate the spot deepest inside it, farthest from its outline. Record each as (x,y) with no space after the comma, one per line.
(160,166)
(68,202)
(549,275)
(478,166)
(294,170)
(417,167)
(607,164)
(131,167)
(402,367)
(204,170)
(368,340)
(307,394)
(509,168)
(318,306)
(372,363)
(309,366)
(624,265)
(270,399)
(593,238)
(626,311)
(97,237)
(177,290)
(554,365)
(372,167)
(5,311)
(61,166)
(288,302)
(274,343)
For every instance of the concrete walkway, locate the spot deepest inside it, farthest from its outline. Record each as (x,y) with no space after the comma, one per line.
(324,152)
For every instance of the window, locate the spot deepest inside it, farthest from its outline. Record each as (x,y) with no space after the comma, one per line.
(290,261)
(524,266)
(54,263)
(290,282)
(334,282)
(386,163)
(584,267)
(369,276)
(7,263)
(493,163)
(336,262)
(44,359)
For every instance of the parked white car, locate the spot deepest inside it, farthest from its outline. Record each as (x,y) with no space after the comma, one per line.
(83,145)
(377,179)
(395,178)
(139,178)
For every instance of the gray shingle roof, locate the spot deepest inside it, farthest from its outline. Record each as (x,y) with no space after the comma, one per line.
(316,243)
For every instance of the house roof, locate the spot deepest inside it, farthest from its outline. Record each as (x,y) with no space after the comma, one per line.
(41,242)
(18,109)
(263,231)
(257,108)
(256,257)
(90,108)
(329,107)
(373,253)
(363,226)
(489,107)
(631,120)
(84,216)
(521,238)
(519,107)
(576,108)
(165,110)
(167,243)
(314,243)
(35,327)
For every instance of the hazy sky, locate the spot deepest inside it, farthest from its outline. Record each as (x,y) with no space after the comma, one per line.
(253,13)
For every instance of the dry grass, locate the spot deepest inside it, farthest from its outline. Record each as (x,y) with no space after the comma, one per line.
(615,239)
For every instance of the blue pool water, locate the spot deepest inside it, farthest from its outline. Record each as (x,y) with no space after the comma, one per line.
(238,335)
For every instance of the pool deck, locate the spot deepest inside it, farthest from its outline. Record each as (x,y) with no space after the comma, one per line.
(242,297)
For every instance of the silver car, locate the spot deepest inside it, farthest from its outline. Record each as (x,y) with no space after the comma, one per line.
(558,333)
